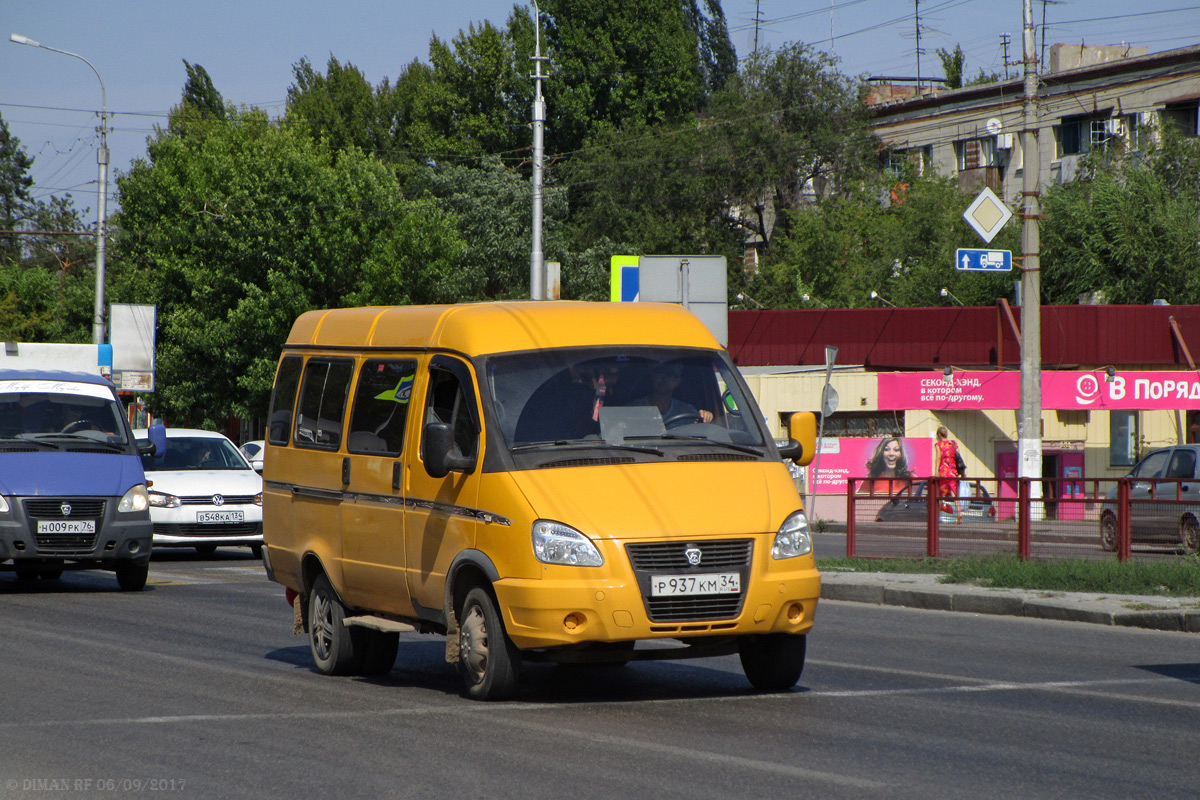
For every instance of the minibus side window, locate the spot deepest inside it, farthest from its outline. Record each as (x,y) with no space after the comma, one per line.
(450,402)
(381,402)
(283,399)
(323,403)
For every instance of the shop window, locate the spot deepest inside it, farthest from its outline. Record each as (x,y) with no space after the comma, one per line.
(1122,438)
(864,424)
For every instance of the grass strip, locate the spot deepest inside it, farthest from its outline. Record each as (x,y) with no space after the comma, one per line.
(1170,578)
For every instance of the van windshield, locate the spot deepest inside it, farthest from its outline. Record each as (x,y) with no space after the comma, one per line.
(648,398)
(59,413)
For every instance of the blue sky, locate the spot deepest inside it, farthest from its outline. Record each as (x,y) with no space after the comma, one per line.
(138,46)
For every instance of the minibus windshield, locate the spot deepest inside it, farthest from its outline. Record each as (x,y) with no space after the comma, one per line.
(646,398)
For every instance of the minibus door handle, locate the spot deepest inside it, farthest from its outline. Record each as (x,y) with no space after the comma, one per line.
(346,471)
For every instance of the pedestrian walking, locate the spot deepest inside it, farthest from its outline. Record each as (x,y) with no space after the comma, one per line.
(946,460)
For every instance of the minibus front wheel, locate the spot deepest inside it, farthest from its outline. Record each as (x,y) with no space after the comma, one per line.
(488,660)
(773,662)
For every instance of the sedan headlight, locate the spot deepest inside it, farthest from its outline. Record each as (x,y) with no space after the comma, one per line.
(258,499)
(136,499)
(793,539)
(555,543)
(164,500)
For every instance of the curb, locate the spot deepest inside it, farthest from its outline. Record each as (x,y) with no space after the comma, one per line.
(927,592)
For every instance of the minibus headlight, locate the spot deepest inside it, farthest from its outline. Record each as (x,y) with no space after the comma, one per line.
(136,499)
(555,543)
(164,500)
(793,539)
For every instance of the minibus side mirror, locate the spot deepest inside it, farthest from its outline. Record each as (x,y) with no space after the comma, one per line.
(802,444)
(437,442)
(158,439)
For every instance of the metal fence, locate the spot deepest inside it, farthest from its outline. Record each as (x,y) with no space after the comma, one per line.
(1073,518)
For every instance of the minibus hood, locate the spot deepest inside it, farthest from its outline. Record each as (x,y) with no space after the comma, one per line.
(649,500)
(65,473)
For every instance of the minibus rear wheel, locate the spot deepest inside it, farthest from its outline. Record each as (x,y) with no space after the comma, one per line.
(773,662)
(488,660)
(336,649)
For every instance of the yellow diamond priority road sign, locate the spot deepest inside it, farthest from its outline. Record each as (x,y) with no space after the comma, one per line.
(987,214)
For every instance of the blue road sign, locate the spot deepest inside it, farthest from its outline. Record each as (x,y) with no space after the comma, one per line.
(983,260)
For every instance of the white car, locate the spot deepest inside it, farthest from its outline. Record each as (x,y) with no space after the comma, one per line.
(254,452)
(203,492)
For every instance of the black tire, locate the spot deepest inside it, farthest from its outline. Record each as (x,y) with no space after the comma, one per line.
(379,654)
(773,662)
(489,662)
(131,576)
(50,574)
(256,551)
(206,549)
(1189,534)
(336,649)
(28,573)
(1108,532)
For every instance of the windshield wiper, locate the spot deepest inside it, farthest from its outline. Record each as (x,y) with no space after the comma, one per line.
(586,444)
(22,441)
(675,437)
(61,440)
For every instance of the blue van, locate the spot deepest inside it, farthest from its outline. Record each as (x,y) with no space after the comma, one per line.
(72,491)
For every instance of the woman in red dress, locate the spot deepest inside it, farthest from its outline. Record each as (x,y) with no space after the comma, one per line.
(944,450)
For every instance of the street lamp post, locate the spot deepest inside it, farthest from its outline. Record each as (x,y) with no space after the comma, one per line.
(98,327)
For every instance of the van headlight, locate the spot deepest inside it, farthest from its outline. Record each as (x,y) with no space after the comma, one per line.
(136,499)
(793,539)
(555,543)
(164,500)
(4,507)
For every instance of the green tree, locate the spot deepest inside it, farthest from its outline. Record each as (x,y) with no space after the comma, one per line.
(789,131)
(902,247)
(1126,227)
(15,185)
(618,62)
(235,234)
(339,106)
(952,66)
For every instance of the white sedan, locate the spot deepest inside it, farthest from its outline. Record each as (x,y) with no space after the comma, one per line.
(203,492)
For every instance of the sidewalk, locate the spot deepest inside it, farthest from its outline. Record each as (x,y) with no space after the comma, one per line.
(926,591)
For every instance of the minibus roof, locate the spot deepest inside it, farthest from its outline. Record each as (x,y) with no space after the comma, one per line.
(501,327)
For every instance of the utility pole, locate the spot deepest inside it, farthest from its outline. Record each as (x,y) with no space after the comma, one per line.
(537,260)
(1029,427)
(1005,40)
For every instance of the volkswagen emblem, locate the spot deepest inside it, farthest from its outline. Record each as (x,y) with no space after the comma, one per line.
(218,500)
(65,508)
(693,555)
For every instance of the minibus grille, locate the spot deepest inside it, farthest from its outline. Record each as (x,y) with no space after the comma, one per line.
(52,508)
(670,558)
(66,544)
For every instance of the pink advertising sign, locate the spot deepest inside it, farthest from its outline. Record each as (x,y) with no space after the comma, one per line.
(884,459)
(1061,390)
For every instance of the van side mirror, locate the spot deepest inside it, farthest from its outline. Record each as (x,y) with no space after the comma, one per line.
(145,447)
(158,440)
(437,441)
(802,441)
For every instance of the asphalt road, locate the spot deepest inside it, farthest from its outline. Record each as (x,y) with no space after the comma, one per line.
(197,688)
